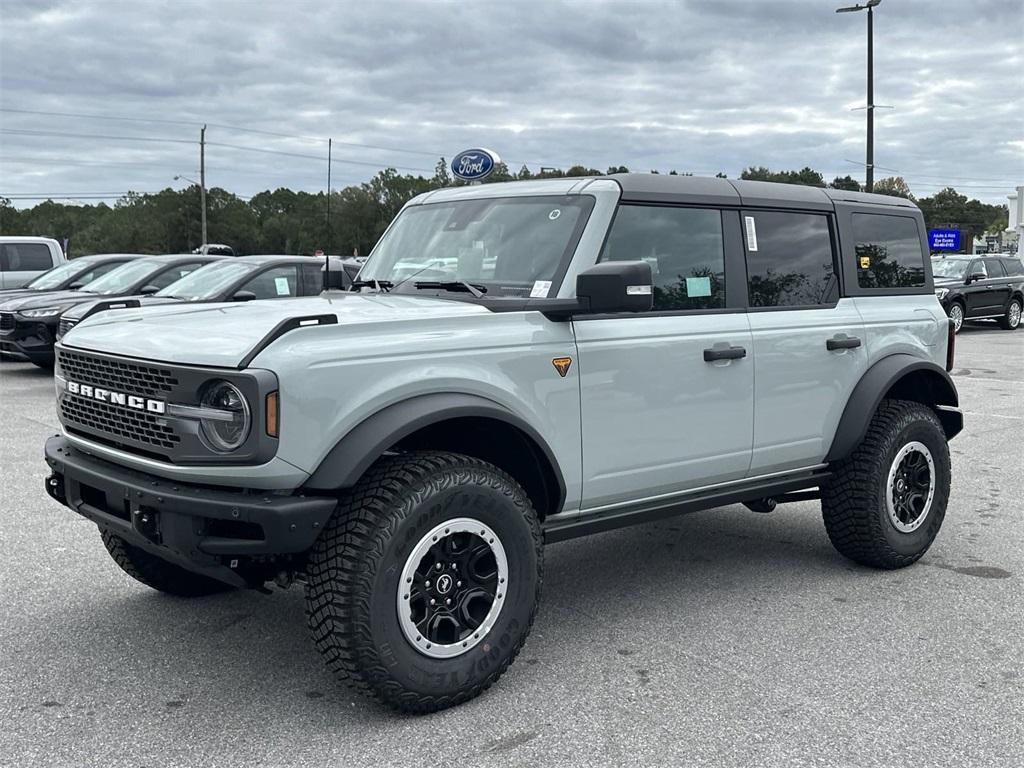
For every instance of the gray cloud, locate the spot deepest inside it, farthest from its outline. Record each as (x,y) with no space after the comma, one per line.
(701,86)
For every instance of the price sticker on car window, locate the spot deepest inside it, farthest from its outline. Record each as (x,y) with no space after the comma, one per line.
(540,289)
(751,233)
(281,284)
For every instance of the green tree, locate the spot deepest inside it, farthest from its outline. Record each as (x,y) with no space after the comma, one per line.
(894,186)
(845,182)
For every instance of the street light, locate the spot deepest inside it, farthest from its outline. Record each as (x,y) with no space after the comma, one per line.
(870,163)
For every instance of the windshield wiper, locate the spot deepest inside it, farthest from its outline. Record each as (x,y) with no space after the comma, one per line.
(478,291)
(378,285)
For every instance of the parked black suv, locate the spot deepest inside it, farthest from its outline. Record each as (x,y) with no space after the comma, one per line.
(70,275)
(980,288)
(28,325)
(240,279)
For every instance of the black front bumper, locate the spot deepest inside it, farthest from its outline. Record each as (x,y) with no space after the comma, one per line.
(30,340)
(228,534)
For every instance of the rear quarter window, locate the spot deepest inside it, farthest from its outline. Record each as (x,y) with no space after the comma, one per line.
(888,251)
(1013,267)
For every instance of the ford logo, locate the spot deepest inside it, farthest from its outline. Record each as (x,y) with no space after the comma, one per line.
(474,164)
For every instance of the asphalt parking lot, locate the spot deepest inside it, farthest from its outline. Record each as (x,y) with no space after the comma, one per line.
(720,638)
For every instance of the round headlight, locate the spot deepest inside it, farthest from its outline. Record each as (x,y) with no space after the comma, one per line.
(227,430)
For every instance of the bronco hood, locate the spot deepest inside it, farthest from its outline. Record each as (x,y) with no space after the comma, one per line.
(223,335)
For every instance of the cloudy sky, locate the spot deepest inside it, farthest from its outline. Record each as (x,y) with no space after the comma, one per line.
(700,86)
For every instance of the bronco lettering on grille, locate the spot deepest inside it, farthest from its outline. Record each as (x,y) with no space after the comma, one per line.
(116,398)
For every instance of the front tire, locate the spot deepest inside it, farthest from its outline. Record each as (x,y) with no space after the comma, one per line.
(157,573)
(424,585)
(956,314)
(1011,319)
(885,503)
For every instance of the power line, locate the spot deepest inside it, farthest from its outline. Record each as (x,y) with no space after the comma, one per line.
(318,158)
(23,132)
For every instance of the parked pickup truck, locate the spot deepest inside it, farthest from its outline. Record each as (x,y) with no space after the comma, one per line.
(24,258)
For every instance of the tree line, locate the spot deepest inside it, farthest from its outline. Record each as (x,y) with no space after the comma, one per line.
(285,221)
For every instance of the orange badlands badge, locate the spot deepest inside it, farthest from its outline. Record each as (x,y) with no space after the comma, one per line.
(562,365)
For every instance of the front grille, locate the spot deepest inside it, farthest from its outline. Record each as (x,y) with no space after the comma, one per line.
(6,321)
(65,326)
(136,378)
(118,422)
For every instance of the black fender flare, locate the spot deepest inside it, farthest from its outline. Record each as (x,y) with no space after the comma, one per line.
(353,454)
(876,382)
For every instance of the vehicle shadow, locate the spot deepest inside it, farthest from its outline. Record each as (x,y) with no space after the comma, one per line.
(229,649)
(15,369)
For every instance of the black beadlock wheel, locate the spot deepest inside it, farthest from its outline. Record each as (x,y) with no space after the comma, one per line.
(1011,320)
(885,503)
(424,585)
(159,574)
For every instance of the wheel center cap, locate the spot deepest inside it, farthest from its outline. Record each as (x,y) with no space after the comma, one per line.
(444,584)
(900,485)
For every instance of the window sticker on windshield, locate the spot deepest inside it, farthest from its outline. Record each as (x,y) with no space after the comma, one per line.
(281,284)
(751,234)
(554,214)
(698,286)
(540,289)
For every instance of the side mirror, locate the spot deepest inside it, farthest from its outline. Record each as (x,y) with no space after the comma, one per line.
(75,285)
(149,290)
(975,276)
(616,286)
(243,296)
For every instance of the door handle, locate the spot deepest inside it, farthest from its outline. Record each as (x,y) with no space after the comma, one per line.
(842,342)
(724,353)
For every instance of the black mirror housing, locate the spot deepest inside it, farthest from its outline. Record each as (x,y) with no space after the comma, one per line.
(149,290)
(975,277)
(244,296)
(616,286)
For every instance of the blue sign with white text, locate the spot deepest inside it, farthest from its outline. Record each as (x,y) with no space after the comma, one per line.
(944,239)
(474,164)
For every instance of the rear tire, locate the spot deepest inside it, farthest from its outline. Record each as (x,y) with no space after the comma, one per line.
(1011,319)
(157,573)
(376,598)
(885,503)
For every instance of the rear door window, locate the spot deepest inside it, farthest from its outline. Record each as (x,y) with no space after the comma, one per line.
(25,257)
(1013,267)
(790,259)
(684,247)
(888,251)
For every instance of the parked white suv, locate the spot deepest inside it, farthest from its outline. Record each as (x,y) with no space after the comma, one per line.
(23,259)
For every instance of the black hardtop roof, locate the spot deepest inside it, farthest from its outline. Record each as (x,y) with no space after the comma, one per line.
(701,190)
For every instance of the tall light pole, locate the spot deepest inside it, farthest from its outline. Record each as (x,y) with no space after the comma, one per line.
(202,173)
(869,165)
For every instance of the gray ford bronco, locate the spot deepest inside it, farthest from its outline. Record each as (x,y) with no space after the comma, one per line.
(517,364)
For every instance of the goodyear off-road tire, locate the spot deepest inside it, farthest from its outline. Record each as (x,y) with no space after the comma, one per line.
(366,588)
(157,573)
(1011,320)
(872,512)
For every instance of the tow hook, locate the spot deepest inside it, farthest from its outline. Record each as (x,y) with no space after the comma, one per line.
(147,523)
(764,506)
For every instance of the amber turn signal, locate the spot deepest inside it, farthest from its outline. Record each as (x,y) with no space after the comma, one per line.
(272,413)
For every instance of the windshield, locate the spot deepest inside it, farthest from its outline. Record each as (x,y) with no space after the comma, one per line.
(58,275)
(513,246)
(208,282)
(955,268)
(124,277)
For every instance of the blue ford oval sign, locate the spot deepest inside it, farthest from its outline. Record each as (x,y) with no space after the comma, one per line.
(474,164)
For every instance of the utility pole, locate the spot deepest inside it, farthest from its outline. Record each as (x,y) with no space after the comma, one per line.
(869,165)
(202,179)
(327,240)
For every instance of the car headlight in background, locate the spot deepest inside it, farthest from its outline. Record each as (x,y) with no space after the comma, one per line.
(41,312)
(228,429)
(940,293)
